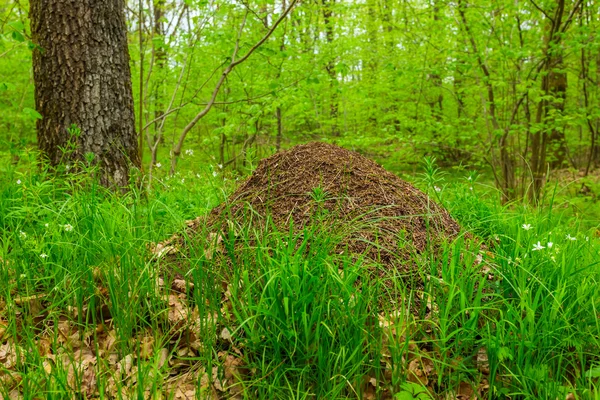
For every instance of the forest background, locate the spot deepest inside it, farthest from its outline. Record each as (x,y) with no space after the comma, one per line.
(510,88)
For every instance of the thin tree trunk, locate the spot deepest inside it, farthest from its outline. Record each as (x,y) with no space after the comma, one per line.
(554,83)
(161,60)
(330,66)
(278,109)
(506,160)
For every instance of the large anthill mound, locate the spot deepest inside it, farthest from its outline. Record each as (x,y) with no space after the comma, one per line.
(384,217)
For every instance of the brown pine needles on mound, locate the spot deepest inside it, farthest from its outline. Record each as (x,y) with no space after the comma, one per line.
(374,212)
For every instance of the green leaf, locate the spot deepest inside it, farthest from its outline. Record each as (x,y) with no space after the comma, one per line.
(404,396)
(593,372)
(18,36)
(30,113)
(18,30)
(17,26)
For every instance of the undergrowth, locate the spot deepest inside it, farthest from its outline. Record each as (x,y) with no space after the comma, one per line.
(91,308)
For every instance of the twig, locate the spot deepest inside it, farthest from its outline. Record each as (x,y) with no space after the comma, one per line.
(542,11)
(226,72)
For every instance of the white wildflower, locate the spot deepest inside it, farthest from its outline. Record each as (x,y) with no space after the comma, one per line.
(526,226)
(437,189)
(550,244)
(23,234)
(18,182)
(68,227)
(215,174)
(569,237)
(43,255)
(220,166)
(198,176)
(538,246)
(189,152)
(182,180)
(46,225)
(158,165)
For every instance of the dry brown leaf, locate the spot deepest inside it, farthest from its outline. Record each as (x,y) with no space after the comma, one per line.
(178,312)
(47,365)
(181,286)
(9,354)
(10,379)
(163,357)
(370,390)
(69,335)
(147,347)
(80,368)
(163,249)
(108,343)
(226,335)
(125,366)
(482,361)
(214,242)
(185,392)
(419,370)
(217,383)
(3,328)
(13,395)
(465,392)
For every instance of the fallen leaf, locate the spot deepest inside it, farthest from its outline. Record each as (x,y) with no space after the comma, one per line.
(465,392)
(482,361)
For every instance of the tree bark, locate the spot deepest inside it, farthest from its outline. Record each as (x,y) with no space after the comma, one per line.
(83,79)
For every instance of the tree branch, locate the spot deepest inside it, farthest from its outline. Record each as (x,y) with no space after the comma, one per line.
(542,11)
(226,72)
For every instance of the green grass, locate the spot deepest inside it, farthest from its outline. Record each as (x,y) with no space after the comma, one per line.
(88,311)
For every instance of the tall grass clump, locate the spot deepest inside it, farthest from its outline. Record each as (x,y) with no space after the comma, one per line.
(306,320)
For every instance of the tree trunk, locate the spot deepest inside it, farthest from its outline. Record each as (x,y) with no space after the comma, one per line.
(83,80)
(330,65)
(161,60)
(551,139)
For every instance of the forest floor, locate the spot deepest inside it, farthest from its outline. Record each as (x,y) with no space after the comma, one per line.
(97,302)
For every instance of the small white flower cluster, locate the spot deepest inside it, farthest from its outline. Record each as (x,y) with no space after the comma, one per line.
(538,246)
(189,152)
(68,227)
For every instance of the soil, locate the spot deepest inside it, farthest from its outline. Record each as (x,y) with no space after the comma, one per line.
(376,213)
